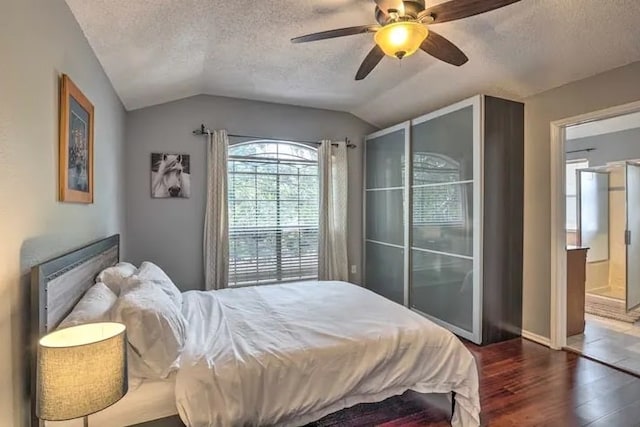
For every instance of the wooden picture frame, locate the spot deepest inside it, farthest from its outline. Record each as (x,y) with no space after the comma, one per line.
(75,144)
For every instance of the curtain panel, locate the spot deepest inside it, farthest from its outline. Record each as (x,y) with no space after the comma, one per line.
(332,241)
(216,223)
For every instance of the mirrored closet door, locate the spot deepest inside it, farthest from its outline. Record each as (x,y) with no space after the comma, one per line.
(445,218)
(385,177)
(632,234)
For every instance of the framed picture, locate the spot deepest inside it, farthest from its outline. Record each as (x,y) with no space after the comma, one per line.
(170,176)
(75,144)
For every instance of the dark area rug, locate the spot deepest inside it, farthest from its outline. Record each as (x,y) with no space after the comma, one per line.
(409,409)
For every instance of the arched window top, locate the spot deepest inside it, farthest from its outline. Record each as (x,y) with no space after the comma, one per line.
(274,150)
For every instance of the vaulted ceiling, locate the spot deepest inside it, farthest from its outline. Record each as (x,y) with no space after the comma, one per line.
(156,51)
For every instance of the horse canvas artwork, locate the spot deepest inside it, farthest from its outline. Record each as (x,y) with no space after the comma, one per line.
(170,176)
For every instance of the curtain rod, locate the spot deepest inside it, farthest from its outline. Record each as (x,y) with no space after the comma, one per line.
(203,131)
(581,151)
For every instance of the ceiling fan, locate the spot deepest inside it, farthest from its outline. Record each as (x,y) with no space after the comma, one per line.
(403,28)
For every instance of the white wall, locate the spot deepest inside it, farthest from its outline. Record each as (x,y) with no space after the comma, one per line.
(169,231)
(39,39)
(615,87)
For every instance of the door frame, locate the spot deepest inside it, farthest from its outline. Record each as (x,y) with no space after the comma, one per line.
(558,321)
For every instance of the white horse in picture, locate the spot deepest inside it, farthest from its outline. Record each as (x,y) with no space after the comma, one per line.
(170,180)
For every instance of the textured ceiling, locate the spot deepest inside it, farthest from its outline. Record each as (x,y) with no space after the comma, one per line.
(161,50)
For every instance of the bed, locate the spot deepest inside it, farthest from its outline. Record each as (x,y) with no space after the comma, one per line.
(275,355)
(56,286)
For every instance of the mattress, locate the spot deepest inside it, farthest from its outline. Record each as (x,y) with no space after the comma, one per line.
(150,400)
(290,354)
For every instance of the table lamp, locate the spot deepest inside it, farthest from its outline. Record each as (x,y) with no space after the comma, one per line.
(81,370)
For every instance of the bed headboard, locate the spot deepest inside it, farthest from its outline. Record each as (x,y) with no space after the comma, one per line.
(58,284)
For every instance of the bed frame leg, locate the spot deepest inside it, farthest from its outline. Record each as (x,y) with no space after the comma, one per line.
(453,403)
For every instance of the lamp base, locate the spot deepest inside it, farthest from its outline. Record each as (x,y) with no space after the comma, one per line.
(85,421)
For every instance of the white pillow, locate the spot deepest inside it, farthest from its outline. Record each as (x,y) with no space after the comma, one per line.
(156,329)
(94,306)
(149,272)
(114,277)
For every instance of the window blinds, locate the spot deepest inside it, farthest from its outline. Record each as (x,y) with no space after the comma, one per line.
(273,217)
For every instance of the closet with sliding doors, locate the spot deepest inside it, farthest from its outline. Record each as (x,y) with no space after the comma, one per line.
(443,217)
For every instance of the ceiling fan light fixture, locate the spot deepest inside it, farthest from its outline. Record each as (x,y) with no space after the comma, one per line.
(401,39)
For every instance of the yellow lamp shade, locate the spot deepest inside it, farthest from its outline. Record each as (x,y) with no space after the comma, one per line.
(81,370)
(401,39)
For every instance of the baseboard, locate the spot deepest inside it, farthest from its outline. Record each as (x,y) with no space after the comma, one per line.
(598,289)
(536,338)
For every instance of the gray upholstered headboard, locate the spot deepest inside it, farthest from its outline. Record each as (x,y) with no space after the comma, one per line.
(58,284)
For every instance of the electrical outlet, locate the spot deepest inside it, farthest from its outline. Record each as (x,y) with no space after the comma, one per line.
(354,269)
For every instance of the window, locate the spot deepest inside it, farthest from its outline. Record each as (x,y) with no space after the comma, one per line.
(572,192)
(273,212)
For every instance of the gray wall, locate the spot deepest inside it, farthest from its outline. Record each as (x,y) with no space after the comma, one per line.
(38,41)
(169,231)
(615,87)
(610,147)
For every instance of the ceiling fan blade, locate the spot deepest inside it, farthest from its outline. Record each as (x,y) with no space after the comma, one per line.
(340,32)
(385,5)
(441,48)
(372,59)
(458,9)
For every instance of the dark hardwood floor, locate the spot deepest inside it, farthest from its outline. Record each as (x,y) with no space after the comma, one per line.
(521,384)
(525,384)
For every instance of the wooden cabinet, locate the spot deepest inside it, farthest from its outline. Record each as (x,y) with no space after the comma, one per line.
(576,279)
(444,216)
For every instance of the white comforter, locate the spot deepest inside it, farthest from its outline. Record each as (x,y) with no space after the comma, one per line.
(290,354)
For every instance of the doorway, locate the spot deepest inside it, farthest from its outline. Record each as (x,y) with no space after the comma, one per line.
(600,261)
(595,187)
(603,220)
